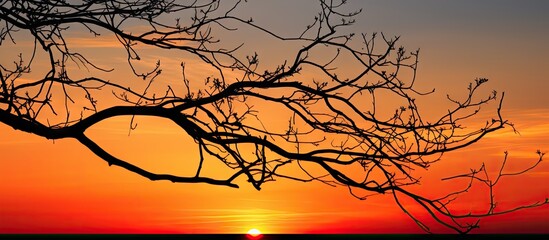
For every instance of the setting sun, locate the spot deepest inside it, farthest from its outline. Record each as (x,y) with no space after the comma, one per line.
(254,233)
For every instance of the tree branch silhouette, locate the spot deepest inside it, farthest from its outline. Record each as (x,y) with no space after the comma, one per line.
(336,120)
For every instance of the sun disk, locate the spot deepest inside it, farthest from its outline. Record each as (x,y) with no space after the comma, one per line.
(254,233)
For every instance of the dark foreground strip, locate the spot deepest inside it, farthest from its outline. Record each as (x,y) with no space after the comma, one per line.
(266,237)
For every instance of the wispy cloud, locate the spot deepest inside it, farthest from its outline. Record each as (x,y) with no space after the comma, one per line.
(238,219)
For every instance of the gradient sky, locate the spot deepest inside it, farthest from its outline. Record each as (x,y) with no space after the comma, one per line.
(60,186)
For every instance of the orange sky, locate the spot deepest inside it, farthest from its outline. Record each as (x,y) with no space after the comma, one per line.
(52,187)
(62,187)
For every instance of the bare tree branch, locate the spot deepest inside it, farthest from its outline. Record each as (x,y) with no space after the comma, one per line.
(335,121)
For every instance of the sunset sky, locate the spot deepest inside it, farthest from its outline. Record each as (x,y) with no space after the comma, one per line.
(62,187)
